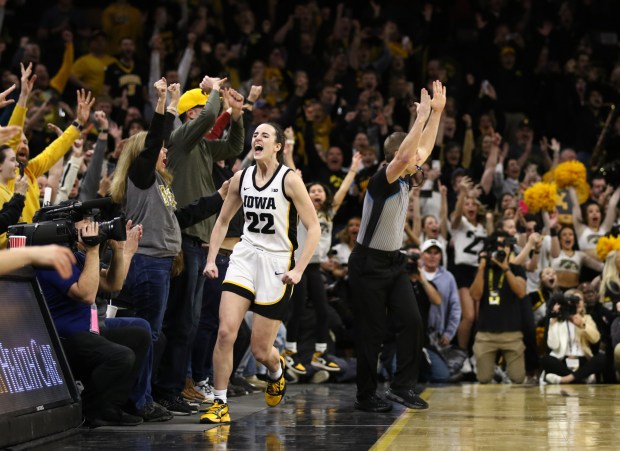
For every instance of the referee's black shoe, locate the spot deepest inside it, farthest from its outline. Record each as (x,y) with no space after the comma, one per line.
(372,404)
(407,398)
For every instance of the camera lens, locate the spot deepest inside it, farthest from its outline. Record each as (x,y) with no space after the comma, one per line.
(113,230)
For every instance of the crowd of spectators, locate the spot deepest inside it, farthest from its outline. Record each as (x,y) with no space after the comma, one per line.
(531,86)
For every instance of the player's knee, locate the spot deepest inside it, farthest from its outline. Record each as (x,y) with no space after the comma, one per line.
(261,353)
(226,336)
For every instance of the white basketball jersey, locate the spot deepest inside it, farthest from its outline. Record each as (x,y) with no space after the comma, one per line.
(589,238)
(270,216)
(468,242)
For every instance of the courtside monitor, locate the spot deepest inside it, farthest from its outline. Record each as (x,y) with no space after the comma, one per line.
(38,396)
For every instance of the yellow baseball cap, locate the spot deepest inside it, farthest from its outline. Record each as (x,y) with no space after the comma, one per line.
(191,99)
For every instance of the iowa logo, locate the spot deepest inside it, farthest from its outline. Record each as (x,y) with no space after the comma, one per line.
(168,196)
(568,265)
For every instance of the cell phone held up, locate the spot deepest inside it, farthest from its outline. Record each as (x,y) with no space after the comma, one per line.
(21,169)
(426,193)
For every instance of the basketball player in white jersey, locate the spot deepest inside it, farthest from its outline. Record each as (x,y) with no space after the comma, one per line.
(262,269)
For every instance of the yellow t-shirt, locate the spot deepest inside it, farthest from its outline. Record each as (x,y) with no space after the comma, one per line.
(40,164)
(90,69)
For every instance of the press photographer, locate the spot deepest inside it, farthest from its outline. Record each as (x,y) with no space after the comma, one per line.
(571,332)
(498,290)
(107,360)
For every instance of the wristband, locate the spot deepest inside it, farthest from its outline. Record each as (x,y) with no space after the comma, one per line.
(290,141)
(553,232)
(103,130)
(249,102)
(77,125)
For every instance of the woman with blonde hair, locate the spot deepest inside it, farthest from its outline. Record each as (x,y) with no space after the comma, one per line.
(141,185)
(609,288)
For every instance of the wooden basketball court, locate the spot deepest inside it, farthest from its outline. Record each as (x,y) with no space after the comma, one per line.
(321,417)
(473,416)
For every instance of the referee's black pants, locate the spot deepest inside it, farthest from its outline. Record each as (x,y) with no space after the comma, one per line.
(380,286)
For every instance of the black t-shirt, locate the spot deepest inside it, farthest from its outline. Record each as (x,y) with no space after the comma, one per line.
(500,310)
(120,78)
(350,206)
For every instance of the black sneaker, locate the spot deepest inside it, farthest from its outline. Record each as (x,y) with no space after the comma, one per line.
(372,404)
(113,416)
(239,381)
(407,398)
(235,390)
(154,413)
(177,406)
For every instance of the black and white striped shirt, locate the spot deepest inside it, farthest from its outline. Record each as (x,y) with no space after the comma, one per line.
(384,213)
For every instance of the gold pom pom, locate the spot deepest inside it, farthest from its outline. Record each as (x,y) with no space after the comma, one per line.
(605,245)
(570,173)
(541,196)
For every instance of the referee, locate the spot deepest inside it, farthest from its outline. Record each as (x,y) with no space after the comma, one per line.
(377,276)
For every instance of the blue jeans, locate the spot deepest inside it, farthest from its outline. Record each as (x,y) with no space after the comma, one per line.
(438,371)
(147,286)
(181,320)
(206,335)
(141,392)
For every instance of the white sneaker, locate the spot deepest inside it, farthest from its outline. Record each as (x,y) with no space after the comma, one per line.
(319,377)
(206,390)
(553,378)
(541,379)
(466,368)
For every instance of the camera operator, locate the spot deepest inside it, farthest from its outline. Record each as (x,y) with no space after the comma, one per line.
(498,290)
(109,360)
(571,332)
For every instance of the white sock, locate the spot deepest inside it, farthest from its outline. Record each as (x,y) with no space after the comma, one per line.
(291,346)
(220,394)
(275,376)
(320,347)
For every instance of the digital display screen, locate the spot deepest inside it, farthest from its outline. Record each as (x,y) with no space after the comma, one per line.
(31,374)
